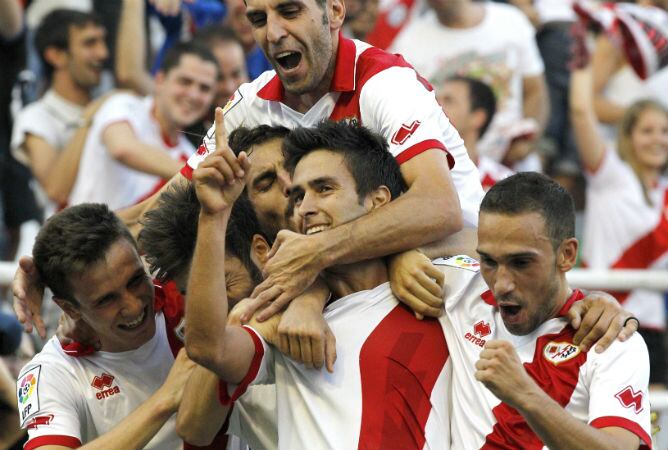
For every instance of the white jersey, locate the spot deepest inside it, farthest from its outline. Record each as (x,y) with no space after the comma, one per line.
(389,388)
(410,119)
(51,118)
(623,232)
(500,51)
(555,11)
(102,179)
(491,172)
(69,401)
(609,389)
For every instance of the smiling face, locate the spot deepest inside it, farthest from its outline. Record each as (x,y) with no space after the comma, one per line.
(298,38)
(115,298)
(649,139)
(184,94)
(522,269)
(86,54)
(324,193)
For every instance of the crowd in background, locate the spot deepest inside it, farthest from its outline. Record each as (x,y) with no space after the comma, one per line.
(97,104)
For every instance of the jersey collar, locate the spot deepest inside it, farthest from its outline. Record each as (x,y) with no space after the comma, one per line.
(342,81)
(577,295)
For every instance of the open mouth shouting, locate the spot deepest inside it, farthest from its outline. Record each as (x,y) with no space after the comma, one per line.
(288,60)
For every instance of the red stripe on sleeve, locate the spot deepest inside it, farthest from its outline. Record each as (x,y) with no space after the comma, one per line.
(400,363)
(622,422)
(55,439)
(223,396)
(423,146)
(187,171)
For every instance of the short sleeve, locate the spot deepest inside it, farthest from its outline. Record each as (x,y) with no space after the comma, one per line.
(118,108)
(32,120)
(48,407)
(402,108)
(618,388)
(612,173)
(233,113)
(261,370)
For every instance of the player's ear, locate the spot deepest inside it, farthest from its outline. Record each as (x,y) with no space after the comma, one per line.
(336,9)
(567,254)
(56,57)
(378,197)
(259,250)
(68,307)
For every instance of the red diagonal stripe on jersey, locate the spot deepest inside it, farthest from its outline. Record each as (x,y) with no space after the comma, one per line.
(646,250)
(511,430)
(399,365)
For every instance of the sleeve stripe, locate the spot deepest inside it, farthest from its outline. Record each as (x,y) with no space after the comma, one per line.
(54,439)
(187,171)
(622,422)
(223,396)
(423,146)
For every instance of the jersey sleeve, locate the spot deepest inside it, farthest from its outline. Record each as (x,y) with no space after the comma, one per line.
(118,108)
(35,121)
(618,388)
(260,371)
(234,114)
(612,173)
(48,406)
(401,107)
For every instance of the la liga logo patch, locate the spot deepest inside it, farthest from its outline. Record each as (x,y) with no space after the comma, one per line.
(27,393)
(461,261)
(560,352)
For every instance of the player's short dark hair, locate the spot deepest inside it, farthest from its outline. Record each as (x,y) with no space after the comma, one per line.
(170,230)
(215,33)
(54,31)
(528,192)
(242,138)
(481,96)
(73,240)
(365,153)
(175,53)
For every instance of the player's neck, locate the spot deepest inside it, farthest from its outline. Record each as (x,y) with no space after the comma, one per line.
(167,128)
(471,144)
(347,279)
(68,89)
(467,15)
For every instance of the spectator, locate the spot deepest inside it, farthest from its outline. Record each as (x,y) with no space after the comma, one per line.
(256,61)
(492,42)
(71,45)
(135,142)
(18,208)
(471,105)
(627,198)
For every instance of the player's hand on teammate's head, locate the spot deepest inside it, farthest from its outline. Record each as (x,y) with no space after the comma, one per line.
(219,179)
(70,331)
(417,283)
(28,292)
(599,319)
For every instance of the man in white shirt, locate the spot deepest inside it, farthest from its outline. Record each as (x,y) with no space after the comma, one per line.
(125,395)
(519,380)
(492,42)
(72,47)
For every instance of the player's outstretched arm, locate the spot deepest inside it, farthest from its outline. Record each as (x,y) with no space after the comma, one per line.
(501,371)
(218,181)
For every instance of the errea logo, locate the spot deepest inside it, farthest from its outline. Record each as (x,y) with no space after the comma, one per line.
(103,382)
(481,330)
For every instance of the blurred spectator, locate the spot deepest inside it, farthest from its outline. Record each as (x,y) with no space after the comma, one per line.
(391,18)
(72,48)
(256,62)
(135,142)
(470,106)
(229,53)
(17,202)
(492,42)
(10,433)
(361,18)
(626,225)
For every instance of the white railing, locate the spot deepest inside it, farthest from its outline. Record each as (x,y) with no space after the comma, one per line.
(582,278)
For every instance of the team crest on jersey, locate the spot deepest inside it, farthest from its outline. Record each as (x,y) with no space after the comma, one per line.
(461,261)
(232,102)
(27,393)
(560,352)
